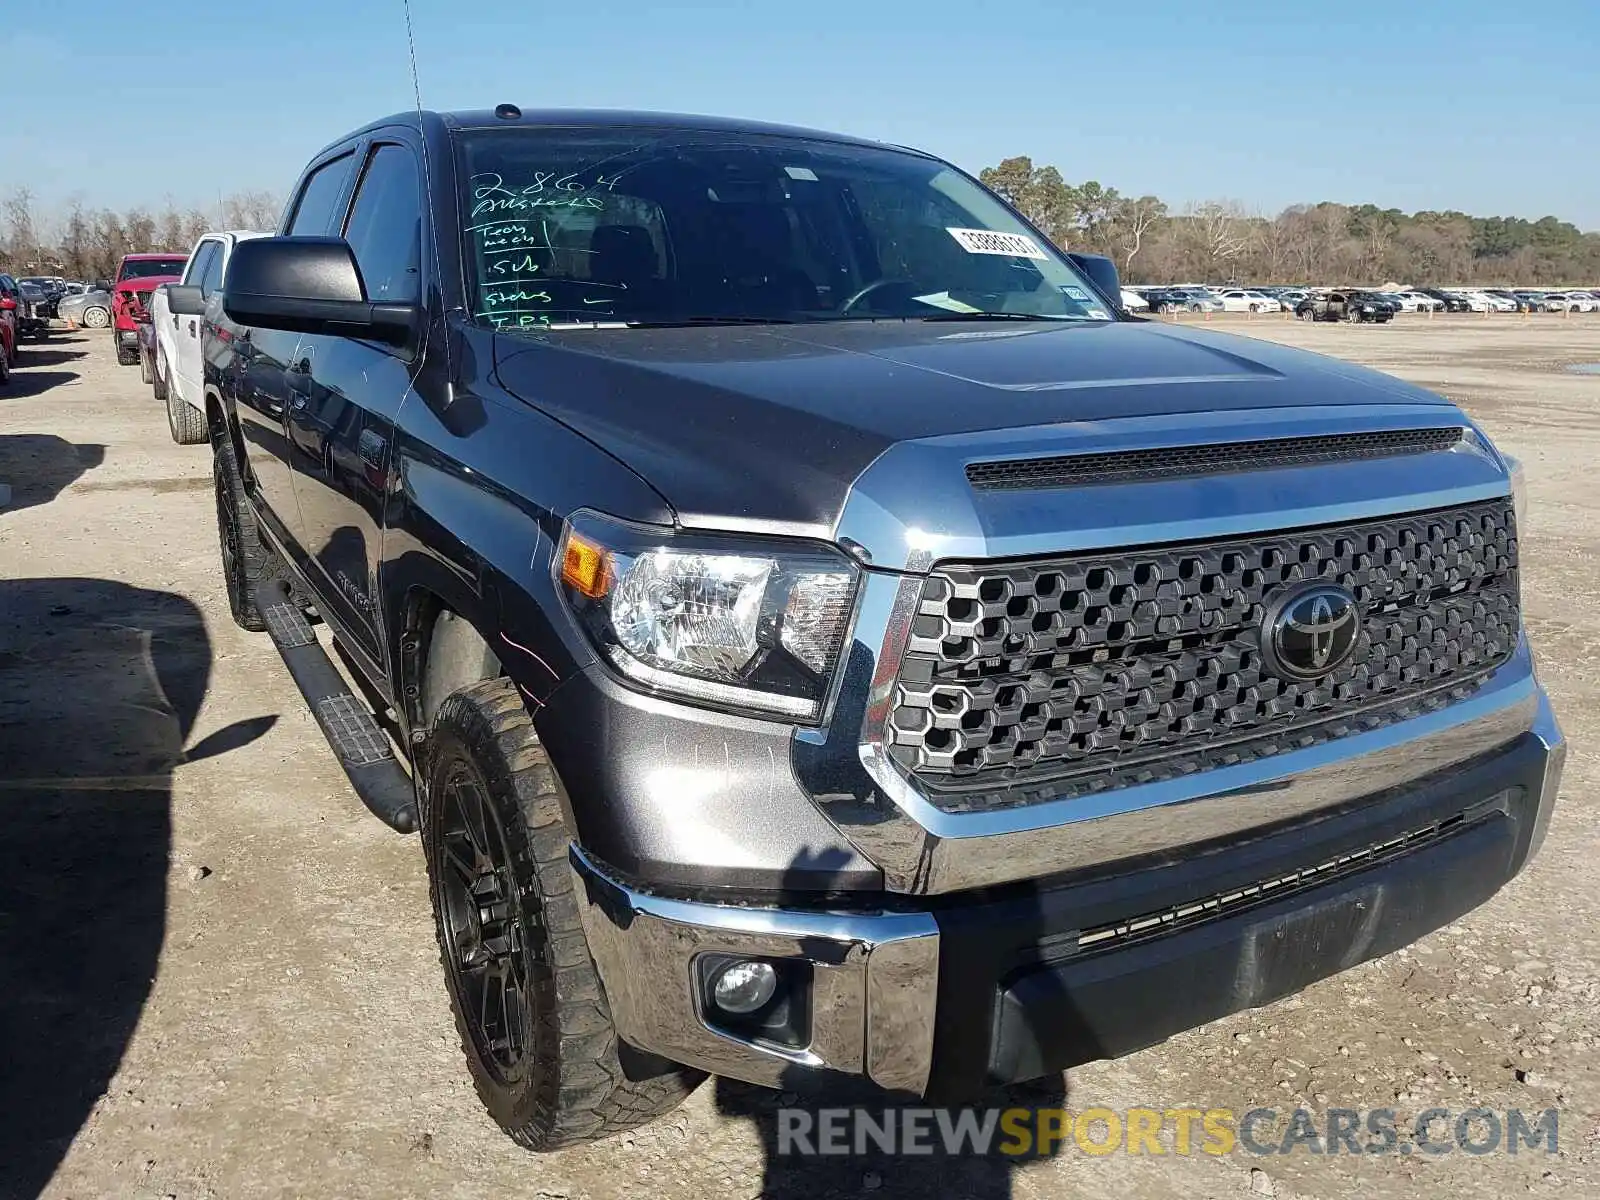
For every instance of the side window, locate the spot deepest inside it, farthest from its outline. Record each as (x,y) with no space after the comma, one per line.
(197,264)
(314,213)
(211,277)
(385,228)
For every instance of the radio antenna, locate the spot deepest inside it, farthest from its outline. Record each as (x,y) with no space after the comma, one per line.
(416,86)
(427,183)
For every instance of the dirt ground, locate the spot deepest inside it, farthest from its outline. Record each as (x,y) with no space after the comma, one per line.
(220,977)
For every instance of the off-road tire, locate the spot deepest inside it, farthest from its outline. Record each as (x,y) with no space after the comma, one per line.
(185,422)
(96,317)
(570,1086)
(158,380)
(247,562)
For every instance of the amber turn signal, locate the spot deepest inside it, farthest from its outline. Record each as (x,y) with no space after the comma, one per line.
(585,567)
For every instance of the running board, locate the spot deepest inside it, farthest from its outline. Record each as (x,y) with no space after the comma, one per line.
(360,744)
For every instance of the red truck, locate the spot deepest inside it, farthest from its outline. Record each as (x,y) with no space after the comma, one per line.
(137,276)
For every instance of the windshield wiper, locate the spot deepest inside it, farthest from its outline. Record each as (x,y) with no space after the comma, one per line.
(994,316)
(681,322)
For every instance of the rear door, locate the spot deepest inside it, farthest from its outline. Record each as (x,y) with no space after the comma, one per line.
(266,356)
(343,407)
(183,333)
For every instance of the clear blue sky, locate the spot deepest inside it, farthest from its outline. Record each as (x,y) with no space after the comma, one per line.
(1491,106)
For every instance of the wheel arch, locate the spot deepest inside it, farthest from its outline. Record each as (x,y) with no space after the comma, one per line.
(219,422)
(444,645)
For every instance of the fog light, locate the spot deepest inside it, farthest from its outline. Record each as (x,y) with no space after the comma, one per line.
(744,987)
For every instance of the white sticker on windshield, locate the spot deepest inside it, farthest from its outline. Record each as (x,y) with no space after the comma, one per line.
(1073,292)
(989,241)
(805,173)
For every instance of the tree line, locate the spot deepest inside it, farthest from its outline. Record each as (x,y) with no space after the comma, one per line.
(81,243)
(1222,241)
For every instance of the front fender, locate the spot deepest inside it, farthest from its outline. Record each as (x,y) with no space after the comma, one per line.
(479,493)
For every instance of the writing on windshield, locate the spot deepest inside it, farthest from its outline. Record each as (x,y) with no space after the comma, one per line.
(627,226)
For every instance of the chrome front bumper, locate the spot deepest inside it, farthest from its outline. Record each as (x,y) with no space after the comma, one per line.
(876,976)
(872,992)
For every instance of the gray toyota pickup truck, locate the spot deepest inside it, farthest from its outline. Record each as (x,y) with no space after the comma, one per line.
(816,632)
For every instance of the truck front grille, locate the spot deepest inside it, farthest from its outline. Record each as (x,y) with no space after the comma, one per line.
(1035,680)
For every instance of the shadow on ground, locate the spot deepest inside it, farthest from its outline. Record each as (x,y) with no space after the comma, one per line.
(99,687)
(39,466)
(27,380)
(50,354)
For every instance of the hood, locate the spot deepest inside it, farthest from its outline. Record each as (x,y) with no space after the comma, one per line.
(766,427)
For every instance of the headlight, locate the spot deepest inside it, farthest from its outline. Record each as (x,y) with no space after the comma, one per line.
(1519,491)
(724,620)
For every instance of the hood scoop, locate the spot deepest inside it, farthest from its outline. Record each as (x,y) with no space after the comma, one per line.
(1177,462)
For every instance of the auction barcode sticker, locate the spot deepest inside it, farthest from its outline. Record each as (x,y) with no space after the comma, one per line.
(988,241)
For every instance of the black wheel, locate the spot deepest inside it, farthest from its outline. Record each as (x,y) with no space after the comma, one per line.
(1307,314)
(1255,308)
(528,1004)
(1353,315)
(246,559)
(158,377)
(146,371)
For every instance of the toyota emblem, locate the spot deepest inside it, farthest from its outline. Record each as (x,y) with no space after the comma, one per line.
(1311,631)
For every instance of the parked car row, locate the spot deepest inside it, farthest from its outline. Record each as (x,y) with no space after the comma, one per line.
(1196,298)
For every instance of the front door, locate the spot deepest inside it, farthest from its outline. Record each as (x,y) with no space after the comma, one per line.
(204,271)
(345,395)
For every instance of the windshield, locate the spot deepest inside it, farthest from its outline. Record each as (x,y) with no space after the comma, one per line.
(144,268)
(645,226)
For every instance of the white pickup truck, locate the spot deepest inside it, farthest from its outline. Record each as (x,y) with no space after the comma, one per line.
(177,369)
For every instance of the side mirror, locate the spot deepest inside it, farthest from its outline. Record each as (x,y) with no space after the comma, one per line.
(1102,272)
(185,300)
(309,285)
(102,285)
(8,304)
